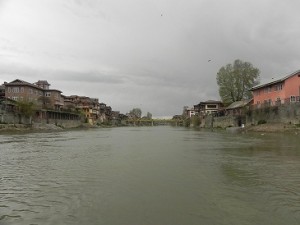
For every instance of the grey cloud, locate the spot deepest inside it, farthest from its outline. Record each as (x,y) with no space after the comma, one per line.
(153,54)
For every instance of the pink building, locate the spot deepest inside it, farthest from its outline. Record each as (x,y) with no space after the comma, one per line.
(279,91)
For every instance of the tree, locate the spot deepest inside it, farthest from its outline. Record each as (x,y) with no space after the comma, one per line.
(235,81)
(136,112)
(149,115)
(26,109)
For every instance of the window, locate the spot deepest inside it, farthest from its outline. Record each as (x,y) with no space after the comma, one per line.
(293,99)
(278,87)
(22,89)
(15,90)
(48,94)
(211,106)
(30,91)
(8,89)
(270,89)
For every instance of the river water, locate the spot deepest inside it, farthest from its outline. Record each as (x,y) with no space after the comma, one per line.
(149,176)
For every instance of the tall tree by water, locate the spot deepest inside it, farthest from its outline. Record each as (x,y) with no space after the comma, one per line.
(136,112)
(26,109)
(235,80)
(149,115)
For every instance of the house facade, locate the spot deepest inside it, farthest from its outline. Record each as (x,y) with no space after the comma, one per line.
(277,92)
(189,112)
(208,107)
(238,108)
(39,93)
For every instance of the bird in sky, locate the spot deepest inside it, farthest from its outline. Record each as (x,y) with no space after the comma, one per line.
(209,60)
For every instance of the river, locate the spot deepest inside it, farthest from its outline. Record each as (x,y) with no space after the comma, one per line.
(149,176)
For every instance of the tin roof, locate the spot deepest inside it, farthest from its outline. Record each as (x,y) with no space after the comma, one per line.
(239,104)
(274,81)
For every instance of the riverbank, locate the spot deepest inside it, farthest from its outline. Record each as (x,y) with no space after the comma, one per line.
(23,127)
(273,127)
(36,127)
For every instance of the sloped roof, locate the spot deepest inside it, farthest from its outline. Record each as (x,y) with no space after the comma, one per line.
(274,81)
(210,102)
(22,82)
(18,81)
(239,104)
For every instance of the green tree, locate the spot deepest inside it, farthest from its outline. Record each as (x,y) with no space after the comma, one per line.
(136,112)
(26,109)
(149,115)
(235,80)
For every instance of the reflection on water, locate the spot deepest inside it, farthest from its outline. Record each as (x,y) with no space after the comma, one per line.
(149,175)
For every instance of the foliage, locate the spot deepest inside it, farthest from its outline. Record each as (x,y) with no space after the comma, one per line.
(136,112)
(187,122)
(149,115)
(261,122)
(184,112)
(26,108)
(235,81)
(195,120)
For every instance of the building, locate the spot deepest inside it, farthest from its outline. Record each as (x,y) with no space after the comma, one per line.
(2,91)
(189,112)
(238,108)
(39,93)
(277,91)
(90,107)
(208,107)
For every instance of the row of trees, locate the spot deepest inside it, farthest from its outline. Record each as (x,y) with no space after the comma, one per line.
(235,80)
(137,113)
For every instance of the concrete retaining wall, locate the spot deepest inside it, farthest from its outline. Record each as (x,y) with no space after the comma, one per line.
(286,114)
(14,118)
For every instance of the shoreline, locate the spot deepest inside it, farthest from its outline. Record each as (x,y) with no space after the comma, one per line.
(36,127)
(273,128)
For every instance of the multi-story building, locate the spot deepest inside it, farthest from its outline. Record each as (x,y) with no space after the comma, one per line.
(39,93)
(208,107)
(277,91)
(89,106)
(189,112)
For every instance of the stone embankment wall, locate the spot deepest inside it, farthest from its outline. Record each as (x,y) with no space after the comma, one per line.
(219,122)
(285,114)
(7,117)
(12,118)
(65,123)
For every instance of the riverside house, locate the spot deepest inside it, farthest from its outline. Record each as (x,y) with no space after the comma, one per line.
(38,92)
(278,91)
(208,107)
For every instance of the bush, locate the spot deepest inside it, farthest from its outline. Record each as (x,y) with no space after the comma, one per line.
(261,122)
(195,120)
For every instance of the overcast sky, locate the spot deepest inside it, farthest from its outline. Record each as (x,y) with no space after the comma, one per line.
(150,54)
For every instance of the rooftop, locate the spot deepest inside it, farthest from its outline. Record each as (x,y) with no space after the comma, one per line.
(274,81)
